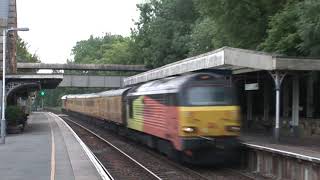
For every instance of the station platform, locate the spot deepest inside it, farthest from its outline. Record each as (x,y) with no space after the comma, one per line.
(300,148)
(47,149)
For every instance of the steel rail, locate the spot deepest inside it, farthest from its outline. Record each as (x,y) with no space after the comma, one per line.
(185,169)
(119,150)
(105,175)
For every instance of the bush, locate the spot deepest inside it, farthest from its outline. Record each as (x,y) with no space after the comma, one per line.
(14,115)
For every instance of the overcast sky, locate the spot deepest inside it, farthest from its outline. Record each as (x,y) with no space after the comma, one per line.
(56,25)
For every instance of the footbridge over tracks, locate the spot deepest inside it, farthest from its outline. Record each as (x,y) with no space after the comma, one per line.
(68,80)
(83,67)
(91,81)
(24,84)
(22,87)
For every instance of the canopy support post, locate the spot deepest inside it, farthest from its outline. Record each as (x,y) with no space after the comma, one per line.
(295,105)
(277,78)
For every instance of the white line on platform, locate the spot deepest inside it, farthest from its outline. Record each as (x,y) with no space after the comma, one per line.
(105,175)
(53,154)
(292,154)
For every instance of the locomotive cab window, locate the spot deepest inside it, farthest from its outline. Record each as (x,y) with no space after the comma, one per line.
(172,99)
(202,96)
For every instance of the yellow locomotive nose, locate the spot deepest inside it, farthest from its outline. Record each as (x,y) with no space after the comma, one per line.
(209,121)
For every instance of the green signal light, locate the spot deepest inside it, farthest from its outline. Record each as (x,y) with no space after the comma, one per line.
(42,93)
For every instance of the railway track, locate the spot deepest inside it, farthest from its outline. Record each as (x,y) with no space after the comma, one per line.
(119,164)
(157,165)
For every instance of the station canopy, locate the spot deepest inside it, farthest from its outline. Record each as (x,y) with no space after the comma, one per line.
(46,81)
(233,59)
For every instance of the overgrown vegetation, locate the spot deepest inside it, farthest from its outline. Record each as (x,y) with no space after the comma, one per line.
(171,30)
(14,115)
(23,55)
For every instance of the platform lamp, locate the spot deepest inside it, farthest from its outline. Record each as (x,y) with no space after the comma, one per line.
(3,119)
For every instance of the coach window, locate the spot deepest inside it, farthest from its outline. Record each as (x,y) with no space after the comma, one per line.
(90,103)
(130,101)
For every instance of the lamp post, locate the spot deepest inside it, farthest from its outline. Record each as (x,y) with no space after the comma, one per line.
(3,119)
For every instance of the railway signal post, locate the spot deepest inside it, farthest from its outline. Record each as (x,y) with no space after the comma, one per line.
(42,93)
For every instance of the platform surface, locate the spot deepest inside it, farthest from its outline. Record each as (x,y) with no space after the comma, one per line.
(33,155)
(304,148)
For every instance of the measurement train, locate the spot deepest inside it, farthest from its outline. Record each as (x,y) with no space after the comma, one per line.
(193,118)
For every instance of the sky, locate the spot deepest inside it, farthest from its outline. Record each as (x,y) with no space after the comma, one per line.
(56,25)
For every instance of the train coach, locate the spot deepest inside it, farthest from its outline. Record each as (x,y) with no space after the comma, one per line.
(194,118)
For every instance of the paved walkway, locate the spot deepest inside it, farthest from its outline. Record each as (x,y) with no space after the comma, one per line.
(46,150)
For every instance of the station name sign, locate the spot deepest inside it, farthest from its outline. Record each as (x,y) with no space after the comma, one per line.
(251,87)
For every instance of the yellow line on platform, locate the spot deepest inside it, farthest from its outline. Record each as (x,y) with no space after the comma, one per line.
(53,155)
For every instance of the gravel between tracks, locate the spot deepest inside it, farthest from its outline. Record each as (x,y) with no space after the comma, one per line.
(119,166)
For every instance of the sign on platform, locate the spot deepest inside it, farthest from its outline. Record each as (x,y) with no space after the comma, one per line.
(251,87)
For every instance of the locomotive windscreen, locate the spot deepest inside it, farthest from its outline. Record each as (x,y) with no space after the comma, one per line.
(210,95)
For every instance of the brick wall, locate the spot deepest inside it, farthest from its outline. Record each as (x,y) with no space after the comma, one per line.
(11,38)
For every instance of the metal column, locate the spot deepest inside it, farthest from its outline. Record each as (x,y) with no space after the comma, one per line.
(278,78)
(266,101)
(3,118)
(42,103)
(295,105)
(3,127)
(286,98)
(249,109)
(310,95)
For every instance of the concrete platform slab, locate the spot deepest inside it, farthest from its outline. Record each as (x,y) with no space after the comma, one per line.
(46,150)
(293,147)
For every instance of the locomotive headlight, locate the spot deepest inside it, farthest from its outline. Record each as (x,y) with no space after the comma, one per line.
(189,129)
(233,128)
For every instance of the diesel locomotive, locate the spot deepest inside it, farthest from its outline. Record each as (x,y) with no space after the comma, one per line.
(194,117)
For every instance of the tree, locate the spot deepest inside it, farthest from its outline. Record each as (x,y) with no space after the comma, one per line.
(201,37)
(295,30)
(171,30)
(162,33)
(110,49)
(239,23)
(87,51)
(308,27)
(118,52)
(282,35)
(23,55)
